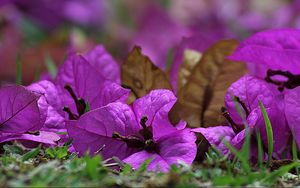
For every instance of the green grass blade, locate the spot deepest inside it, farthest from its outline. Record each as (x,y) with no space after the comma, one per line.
(169,59)
(31,154)
(88,107)
(18,71)
(246,146)
(37,74)
(52,69)
(260,150)
(295,154)
(240,156)
(269,132)
(280,172)
(294,150)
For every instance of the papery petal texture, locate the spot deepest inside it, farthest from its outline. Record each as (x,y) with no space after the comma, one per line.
(281,131)
(156,106)
(49,103)
(43,137)
(19,111)
(277,49)
(110,92)
(88,84)
(292,111)
(94,130)
(217,135)
(249,90)
(104,63)
(173,148)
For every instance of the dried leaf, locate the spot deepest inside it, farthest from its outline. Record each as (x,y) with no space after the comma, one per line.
(196,95)
(141,75)
(230,72)
(190,60)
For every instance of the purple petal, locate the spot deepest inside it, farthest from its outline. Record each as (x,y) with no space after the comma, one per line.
(292,110)
(19,111)
(157,34)
(156,106)
(43,137)
(281,132)
(249,90)
(110,92)
(87,83)
(94,130)
(173,148)
(216,136)
(90,12)
(238,140)
(271,48)
(49,103)
(104,63)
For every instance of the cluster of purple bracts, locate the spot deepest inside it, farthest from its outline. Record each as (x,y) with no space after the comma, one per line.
(273,60)
(86,101)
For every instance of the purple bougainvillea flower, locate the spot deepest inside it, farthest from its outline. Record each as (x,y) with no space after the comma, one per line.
(19,110)
(44,137)
(248,91)
(157,34)
(89,80)
(50,104)
(135,133)
(277,49)
(274,55)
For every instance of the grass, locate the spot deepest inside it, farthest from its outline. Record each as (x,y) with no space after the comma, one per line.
(42,167)
(268,130)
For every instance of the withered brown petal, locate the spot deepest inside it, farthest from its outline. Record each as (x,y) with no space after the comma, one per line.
(196,95)
(141,75)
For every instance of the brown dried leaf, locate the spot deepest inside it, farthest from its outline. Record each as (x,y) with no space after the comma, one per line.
(141,75)
(195,96)
(190,60)
(230,72)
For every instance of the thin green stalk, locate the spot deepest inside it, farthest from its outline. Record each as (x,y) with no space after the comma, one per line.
(260,150)
(269,132)
(18,71)
(240,156)
(295,154)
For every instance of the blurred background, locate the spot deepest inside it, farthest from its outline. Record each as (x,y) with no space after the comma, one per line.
(39,33)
